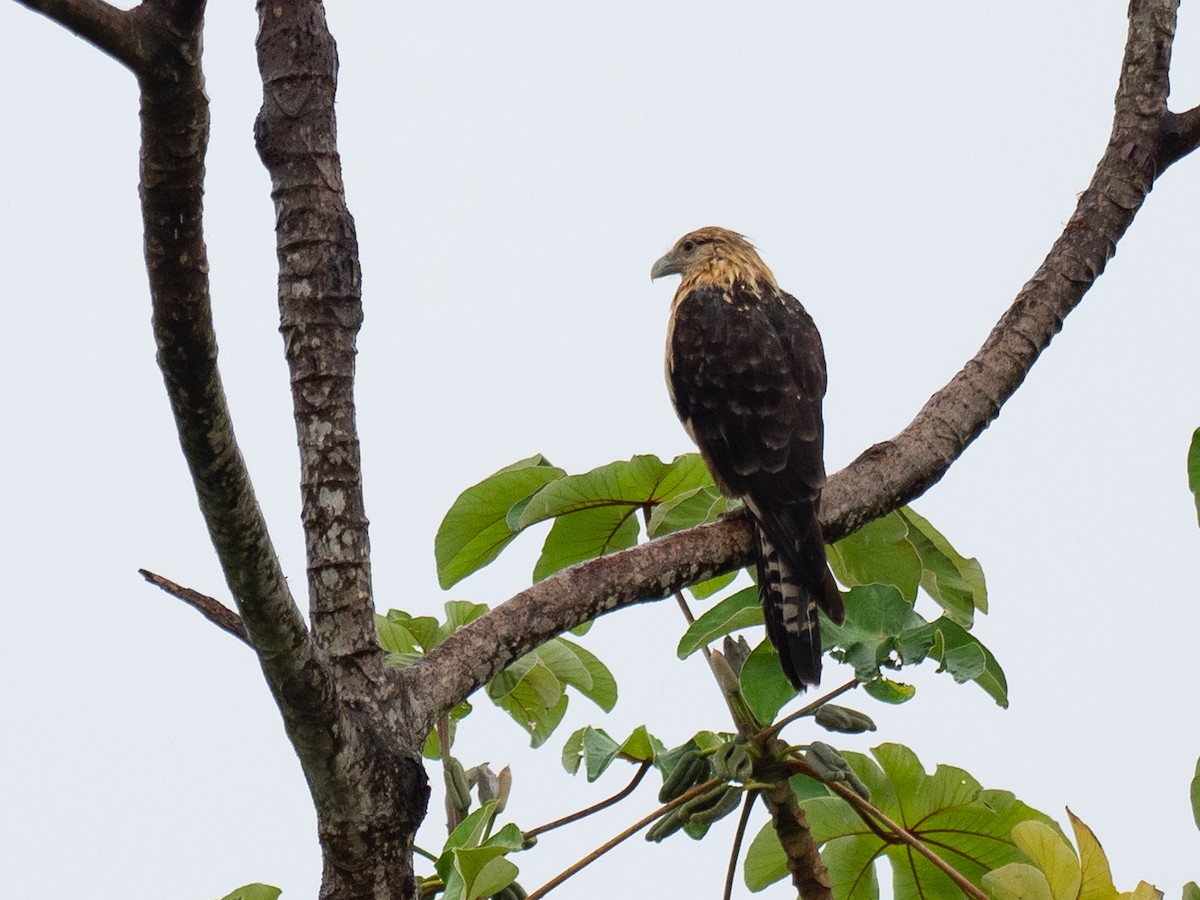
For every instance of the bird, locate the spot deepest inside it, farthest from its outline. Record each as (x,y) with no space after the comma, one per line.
(746,374)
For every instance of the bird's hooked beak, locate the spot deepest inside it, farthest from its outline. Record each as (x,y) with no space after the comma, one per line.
(665,266)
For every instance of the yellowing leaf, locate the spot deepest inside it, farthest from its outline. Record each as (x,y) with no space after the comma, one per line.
(1017,881)
(1052,855)
(1143,891)
(1097,883)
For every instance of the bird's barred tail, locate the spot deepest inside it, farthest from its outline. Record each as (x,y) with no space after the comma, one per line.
(791,596)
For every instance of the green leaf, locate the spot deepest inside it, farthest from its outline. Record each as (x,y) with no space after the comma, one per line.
(594,746)
(955,583)
(1056,872)
(971,827)
(460,613)
(580,668)
(532,689)
(432,748)
(887,691)
(509,837)
(641,481)
(591,746)
(641,745)
(878,553)
(740,610)
(702,590)
(1193,469)
(959,652)
(484,871)
(1018,881)
(687,510)
(572,752)
(766,861)
(764,685)
(476,529)
(1191,891)
(587,534)
(254,891)
(876,616)
(394,636)
(1195,793)
(469,833)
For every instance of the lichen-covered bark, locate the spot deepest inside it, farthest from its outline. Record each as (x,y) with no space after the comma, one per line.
(320,307)
(371,791)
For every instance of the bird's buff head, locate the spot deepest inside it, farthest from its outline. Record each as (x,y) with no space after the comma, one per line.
(714,255)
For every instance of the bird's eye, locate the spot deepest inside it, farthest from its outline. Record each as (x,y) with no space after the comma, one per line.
(689,246)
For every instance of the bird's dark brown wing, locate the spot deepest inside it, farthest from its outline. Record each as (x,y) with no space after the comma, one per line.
(747,375)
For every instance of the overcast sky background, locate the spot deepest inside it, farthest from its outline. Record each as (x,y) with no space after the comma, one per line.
(514,170)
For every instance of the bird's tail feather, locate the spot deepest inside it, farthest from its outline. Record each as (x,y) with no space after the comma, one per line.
(791,595)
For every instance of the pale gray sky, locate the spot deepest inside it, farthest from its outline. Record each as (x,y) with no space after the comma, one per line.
(514,169)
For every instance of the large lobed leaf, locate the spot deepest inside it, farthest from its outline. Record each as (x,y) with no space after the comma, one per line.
(595,513)
(882,632)
(967,826)
(533,689)
(904,550)
(1055,871)
(476,529)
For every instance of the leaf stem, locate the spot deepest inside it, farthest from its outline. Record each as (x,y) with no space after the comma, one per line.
(747,806)
(624,835)
(595,808)
(774,729)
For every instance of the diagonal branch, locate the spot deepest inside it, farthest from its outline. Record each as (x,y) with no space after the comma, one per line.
(1145,139)
(174,114)
(115,31)
(209,607)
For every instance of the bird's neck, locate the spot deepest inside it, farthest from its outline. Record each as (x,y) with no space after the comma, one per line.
(725,271)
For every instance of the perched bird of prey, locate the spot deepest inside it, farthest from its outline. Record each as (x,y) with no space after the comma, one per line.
(746,372)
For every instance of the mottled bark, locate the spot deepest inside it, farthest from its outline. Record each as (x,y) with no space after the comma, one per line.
(371,792)
(320,308)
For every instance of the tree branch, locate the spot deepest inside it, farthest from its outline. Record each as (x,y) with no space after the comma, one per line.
(209,607)
(1145,139)
(174,114)
(595,807)
(320,305)
(114,31)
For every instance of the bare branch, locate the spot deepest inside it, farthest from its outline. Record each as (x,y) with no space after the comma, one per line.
(1181,134)
(736,850)
(115,31)
(595,807)
(623,836)
(209,607)
(174,141)
(320,304)
(893,472)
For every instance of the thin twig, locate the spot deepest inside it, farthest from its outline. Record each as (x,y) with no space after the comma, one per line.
(212,609)
(747,806)
(773,730)
(595,808)
(420,851)
(624,835)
